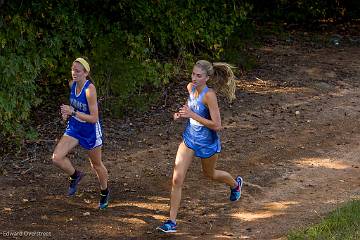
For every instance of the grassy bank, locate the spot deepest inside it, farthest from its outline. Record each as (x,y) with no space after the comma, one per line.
(343,223)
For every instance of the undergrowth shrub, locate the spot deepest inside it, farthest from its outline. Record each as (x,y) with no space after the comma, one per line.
(135,49)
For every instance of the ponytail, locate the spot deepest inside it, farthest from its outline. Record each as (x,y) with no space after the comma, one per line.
(222,78)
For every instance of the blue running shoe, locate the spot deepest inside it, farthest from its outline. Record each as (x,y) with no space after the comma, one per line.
(168,227)
(236,192)
(104,200)
(74,183)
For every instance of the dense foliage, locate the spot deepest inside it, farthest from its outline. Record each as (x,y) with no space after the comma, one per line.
(307,11)
(134,46)
(129,44)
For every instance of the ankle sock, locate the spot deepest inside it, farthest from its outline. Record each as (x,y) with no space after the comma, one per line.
(75,174)
(105,191)
(237,186)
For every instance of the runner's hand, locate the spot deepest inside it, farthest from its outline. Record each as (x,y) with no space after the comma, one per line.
(66,109)
(176,116)
(64,116)
(185,112)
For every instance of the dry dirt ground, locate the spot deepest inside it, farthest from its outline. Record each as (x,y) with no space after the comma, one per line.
(293,134)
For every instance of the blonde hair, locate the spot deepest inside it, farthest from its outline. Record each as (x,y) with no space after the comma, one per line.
(221,77)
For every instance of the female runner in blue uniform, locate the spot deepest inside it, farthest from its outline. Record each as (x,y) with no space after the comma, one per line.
(83,128)
(200,137)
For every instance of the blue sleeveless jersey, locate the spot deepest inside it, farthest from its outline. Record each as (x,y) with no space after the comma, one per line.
(204,141)
(88,134)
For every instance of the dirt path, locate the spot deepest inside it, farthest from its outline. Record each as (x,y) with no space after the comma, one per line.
(293,134)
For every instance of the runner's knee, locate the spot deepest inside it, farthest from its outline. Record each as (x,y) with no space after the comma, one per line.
(177,180)
(56,158)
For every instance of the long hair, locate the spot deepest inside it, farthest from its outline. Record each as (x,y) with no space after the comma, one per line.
(221,77)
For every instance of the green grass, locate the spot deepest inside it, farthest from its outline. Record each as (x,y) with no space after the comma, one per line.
(343,223)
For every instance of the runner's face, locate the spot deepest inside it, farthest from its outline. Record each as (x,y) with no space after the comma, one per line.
(199,77)
(78,72)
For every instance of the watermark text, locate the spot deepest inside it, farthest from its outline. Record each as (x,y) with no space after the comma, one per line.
(24,234)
